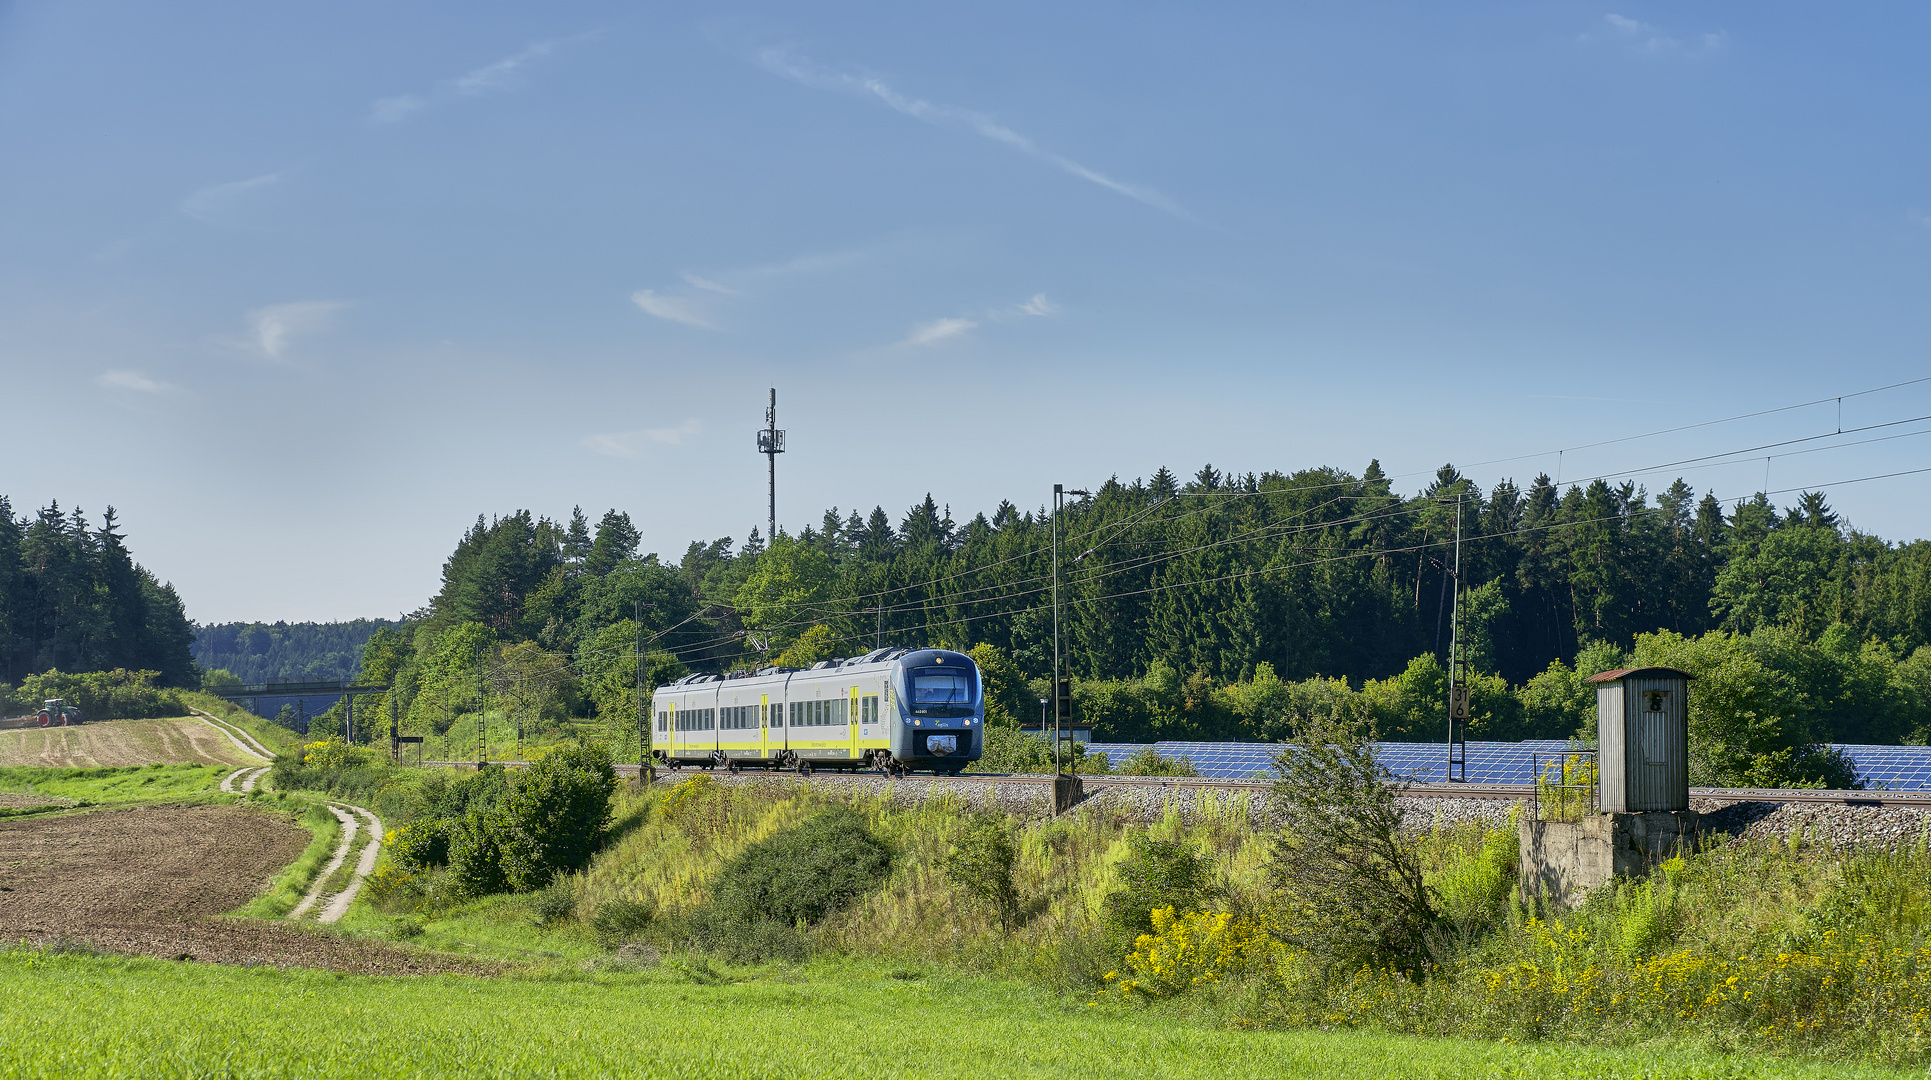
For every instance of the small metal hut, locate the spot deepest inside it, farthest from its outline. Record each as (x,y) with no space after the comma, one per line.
(1643,739)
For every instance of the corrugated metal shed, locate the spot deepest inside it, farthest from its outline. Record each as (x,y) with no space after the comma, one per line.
(1643,738)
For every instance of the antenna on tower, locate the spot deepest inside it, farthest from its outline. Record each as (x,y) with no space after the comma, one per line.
(771,444)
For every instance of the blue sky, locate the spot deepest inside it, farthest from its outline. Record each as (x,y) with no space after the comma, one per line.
(302,291)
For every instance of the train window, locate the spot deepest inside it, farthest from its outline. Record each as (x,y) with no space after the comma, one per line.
(841,707)
(868,709)
(660,720)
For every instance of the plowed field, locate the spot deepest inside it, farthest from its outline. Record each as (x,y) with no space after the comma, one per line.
(181,740)
(149,881)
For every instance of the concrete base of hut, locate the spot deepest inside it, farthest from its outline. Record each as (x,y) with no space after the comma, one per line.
(1563,860)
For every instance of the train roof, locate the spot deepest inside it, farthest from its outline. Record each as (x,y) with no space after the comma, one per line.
(876,656)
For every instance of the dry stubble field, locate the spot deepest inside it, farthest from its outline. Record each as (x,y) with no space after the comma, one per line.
(176,740)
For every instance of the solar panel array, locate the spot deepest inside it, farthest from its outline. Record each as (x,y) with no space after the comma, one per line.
(1889,768)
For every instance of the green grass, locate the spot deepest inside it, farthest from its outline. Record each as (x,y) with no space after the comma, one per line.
(146,1018)
(106,786)
(270,734)
(292,884)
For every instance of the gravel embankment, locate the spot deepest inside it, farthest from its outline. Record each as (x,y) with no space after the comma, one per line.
(1148,800)
(1826,824)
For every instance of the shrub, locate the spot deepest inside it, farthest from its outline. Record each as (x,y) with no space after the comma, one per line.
(421,844)
(618,921)
(555,815)
(981,864)
(1148,762)
(333,753)
(103,695)
(1341,859)
(555,904)
(1156,874)
(804,873)
(1185,951)
(476,851)
(757,942)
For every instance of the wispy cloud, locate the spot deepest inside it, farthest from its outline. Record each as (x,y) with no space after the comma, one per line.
(630,445)
(938,330)
(1039,305)
(1646,38)
(1921,218)
(131,381)
(674,308)
(503,74)
(217,202)
(789,65)
(710,286)
(277,325)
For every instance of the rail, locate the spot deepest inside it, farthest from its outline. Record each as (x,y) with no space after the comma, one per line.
(1523,793)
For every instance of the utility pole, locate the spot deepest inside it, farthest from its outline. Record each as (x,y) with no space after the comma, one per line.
(482,715)
(1458,705)
(645,774)
(1062,686)
(771,444)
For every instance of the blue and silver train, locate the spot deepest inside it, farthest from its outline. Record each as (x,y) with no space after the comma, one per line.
(896,710)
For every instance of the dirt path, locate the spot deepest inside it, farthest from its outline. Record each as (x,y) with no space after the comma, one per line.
(242,780)
(237,733)
(349,827)
(232,736)
(180,740)
(355,821)
(149,881)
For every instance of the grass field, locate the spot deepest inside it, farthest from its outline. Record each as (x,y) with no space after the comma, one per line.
(177,740)
(47,790)
(111,1017)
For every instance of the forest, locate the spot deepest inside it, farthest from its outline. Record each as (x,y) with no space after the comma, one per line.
(1222,606)
(256,652)
(73,599)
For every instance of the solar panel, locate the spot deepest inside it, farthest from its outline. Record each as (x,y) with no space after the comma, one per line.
(1893,768)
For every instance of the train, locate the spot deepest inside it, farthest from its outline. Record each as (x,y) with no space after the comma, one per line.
(895,710)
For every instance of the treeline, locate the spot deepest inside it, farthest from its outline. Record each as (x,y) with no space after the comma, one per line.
(1315,573)
(1179,598)
(256,652)
(73,599)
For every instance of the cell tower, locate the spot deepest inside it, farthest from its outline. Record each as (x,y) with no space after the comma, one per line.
(771,444)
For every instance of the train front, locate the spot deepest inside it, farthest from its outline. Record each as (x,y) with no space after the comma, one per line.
(941,710)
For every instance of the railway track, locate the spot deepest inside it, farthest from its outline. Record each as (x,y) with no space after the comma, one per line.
(1499,792)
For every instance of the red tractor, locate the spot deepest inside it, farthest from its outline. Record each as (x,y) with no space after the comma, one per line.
(56,711)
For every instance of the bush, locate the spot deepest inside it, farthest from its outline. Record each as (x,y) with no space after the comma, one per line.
(757,942)
(981,864)
(1342,858)
(421,844)
(1010,750)
(476,851)
(618,921)
(555,815)
(803,874)
(1156,874)
(102,695)
(333,753)
(1148,762)
(555,904)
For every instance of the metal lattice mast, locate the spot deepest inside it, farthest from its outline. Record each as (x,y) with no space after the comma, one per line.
(771,444)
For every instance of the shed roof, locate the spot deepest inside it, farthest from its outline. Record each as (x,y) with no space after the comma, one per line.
(1648,672)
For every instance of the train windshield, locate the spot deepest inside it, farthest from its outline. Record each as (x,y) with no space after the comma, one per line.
(942,691)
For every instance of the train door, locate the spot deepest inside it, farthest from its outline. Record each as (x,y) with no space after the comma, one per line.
(851,725)
(764,726)
(672,722)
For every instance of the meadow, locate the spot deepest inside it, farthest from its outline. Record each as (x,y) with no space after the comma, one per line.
(112,1017)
